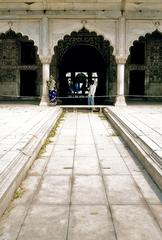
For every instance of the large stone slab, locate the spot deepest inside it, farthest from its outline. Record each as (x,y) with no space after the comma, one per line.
(135,222)
(54,190)
(90,223)
(88,190)
(122,190)
(45,222)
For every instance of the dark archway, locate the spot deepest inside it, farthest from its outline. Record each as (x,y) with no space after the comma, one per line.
(86,60)
(143,68)
(78,58)
(20,67)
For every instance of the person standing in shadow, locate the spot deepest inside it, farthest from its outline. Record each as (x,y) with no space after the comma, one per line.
(91,94)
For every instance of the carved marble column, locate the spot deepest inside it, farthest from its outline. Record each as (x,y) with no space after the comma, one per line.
(45,60)
(45,75)
(122,36)
(120,99)
(121,60)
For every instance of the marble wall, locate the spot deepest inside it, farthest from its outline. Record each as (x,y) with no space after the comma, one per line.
(63,23)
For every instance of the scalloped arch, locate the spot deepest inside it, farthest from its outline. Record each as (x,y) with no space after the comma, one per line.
(10,34)
(82,37)
(154,35)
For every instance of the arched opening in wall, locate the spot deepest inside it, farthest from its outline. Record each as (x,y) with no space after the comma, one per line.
(143,68)
(81,64)
(79,58)
(20,67)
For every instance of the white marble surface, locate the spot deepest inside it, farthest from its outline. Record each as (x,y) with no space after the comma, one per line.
(145,121)
(101,194)
(24,129)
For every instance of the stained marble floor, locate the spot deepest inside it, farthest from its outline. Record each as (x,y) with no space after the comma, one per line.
(86,185)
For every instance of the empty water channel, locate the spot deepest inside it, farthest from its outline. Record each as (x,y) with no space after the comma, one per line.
(85,184)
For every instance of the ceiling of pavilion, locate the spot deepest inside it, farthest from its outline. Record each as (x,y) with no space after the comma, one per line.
(115,5)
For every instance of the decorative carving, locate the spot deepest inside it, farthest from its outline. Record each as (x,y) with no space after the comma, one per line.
(154,56)
(83,37)
(10,62)
(10,24)
(84,22)
(7,75)
(120,59)
(156,24)
(153,62)
(45,59)
(88,39)
(10,34)
(9,52)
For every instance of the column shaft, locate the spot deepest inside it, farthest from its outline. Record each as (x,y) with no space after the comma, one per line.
(120,99)
(120,79)
(45,76)
(45,59)
(121,59)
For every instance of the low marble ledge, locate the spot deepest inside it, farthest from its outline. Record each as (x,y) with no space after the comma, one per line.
(15,163)
(146,150)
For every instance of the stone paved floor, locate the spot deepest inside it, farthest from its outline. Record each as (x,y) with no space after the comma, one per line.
(87,185)
(23,129)
(16,121)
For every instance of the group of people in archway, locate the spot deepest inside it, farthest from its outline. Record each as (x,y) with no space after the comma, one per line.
(52,90)
(89,86)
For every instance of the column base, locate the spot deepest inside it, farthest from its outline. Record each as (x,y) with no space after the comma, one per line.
(120,101)
(44,102)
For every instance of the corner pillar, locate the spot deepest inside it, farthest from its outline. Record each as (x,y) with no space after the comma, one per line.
(121,60)
(120,99)
(45,60)
(45,76)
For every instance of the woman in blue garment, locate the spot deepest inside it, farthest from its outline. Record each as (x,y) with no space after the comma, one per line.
(52,91)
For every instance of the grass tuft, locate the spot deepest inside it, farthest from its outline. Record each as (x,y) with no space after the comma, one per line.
(19,192)
(50,135)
